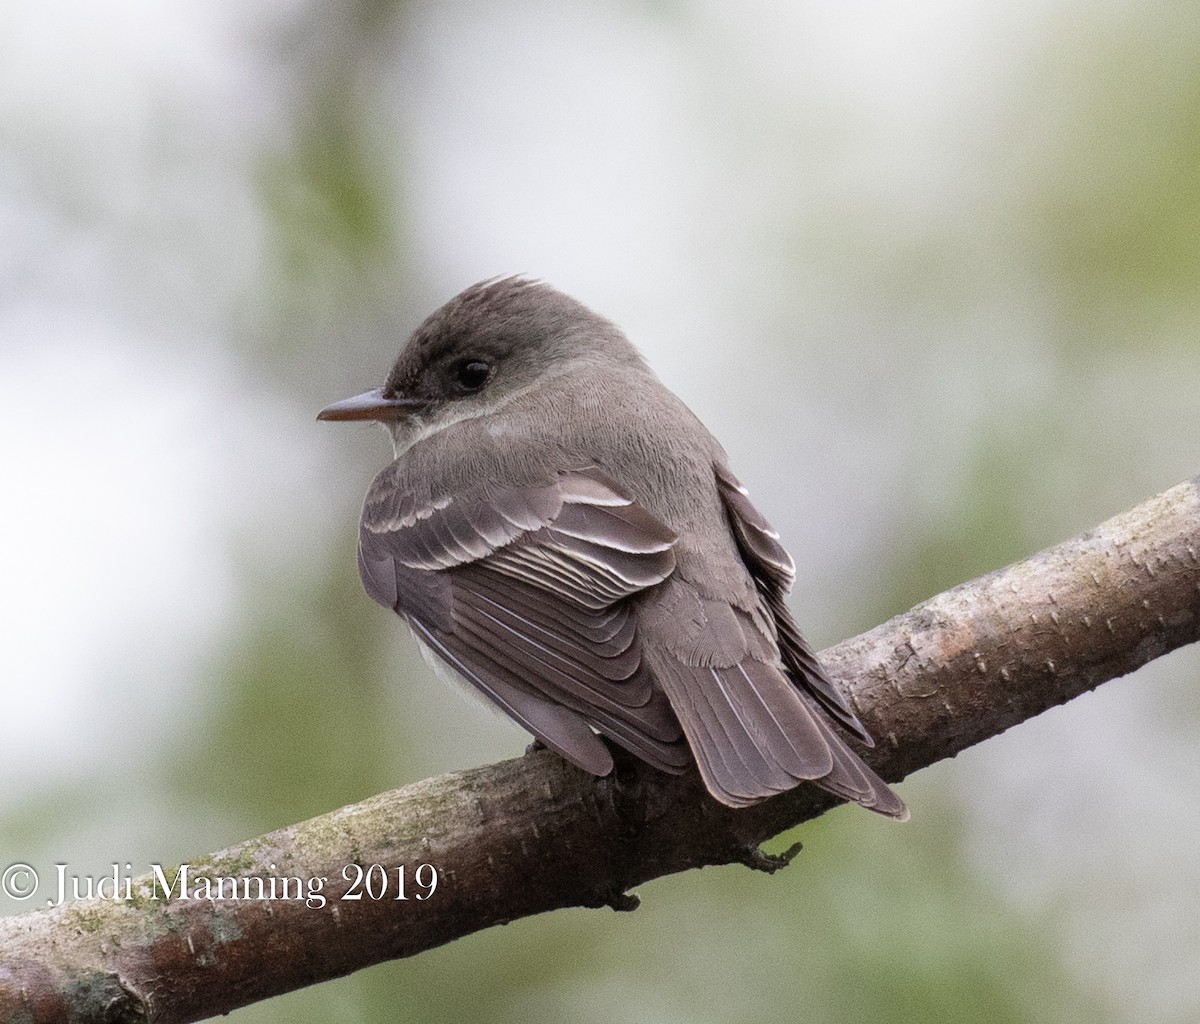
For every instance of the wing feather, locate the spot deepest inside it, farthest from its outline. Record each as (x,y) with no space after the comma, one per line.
(774,572)
(613,625)
(560,728)
(610,661)
(525,592)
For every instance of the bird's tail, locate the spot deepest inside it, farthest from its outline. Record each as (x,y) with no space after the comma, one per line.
(754,734)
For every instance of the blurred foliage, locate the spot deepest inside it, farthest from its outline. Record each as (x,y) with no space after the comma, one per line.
(985,526)
(329,195)
(301,696)
(332,194)
(1115,206)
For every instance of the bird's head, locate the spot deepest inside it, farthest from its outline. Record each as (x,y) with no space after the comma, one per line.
(494,342)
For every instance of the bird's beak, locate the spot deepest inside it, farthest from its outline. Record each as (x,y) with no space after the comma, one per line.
(371,405)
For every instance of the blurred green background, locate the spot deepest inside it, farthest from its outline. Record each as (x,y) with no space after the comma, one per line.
(928,270)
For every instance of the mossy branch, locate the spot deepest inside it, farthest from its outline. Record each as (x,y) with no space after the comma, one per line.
(533,834)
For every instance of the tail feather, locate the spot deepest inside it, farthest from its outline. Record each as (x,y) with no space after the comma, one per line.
(754,734)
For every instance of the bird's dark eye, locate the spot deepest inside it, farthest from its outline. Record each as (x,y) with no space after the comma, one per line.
(472,374)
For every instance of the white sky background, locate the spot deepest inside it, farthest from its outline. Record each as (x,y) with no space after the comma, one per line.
(136,452)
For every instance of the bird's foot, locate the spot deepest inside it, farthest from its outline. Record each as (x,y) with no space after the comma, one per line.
(754,857)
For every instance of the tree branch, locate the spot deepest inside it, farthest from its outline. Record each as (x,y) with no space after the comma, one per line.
(534,834)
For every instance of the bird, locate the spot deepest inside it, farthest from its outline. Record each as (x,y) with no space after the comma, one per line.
(560,531)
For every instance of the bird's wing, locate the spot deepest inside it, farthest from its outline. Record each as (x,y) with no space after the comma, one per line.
(774,573)
(525,592)
(746,688)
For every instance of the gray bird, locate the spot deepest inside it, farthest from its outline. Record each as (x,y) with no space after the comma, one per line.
(561,531)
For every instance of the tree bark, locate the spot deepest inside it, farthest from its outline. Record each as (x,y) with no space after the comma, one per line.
(534,834)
